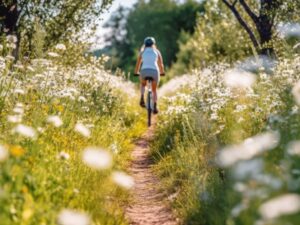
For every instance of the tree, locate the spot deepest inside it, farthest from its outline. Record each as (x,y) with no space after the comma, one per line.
(163,19)
(60,19)
(264,16)
(217,38)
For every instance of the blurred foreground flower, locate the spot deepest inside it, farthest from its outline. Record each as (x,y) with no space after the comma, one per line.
(3,153)
(97,158)
(123,180)
(71,217)
(17,150)
(83,130)
(25,131)
(55,121)
(63,156)
(279,206)
(239,79)
(287,30)
(294,148)
(11,38)
(14,118)
(248,149)
(53,54)
(19,91)
(61,47)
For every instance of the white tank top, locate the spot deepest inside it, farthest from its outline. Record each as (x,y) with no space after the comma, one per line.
(150,58)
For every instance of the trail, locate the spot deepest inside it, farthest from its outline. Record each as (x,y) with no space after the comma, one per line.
(149,205)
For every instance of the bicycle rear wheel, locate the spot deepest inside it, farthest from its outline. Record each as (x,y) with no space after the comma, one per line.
(149,108)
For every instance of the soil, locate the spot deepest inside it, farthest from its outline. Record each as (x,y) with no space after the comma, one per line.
(149,205)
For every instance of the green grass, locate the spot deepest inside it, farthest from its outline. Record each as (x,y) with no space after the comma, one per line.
(188,141)
(36,182)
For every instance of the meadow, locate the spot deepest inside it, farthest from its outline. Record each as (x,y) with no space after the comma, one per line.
(227,144)
(66,134)
(224,148)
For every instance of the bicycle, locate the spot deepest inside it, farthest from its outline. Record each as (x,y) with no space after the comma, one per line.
(149,102)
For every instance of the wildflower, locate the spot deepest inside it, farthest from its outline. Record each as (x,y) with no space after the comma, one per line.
(41,129)
(71,217)
(61,47)
(53,54)
(30,68)
(283,205)
(123,180)
(10,58)
(248,149)
(63,155)
(249,168)
(82,99)
(12,45)
(239,79)
(296,46)
(294,148)
(256,63)
(83,130)
(97,158)
(25,131)
(55,121)
(18,110)
(14,118)
(236,211)
(105,58)
(177,83)
(11,38)
(296,92)
(3,153)
(287,30)
(18,66)
(19,91)
(17,150)
(27,214)
(114,148)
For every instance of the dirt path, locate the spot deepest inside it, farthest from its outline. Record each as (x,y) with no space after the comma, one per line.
(148,206)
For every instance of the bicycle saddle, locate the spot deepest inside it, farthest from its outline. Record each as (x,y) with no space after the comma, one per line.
(149,78)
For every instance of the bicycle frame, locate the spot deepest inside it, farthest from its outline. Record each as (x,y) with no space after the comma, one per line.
(149,104)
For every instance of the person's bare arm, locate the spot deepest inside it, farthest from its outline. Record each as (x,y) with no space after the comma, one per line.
(161,64)
(138,65)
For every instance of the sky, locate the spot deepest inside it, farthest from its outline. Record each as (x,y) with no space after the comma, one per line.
(100,30)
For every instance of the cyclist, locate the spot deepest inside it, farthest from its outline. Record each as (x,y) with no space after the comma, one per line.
(149,64)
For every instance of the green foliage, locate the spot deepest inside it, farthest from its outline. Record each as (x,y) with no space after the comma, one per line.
(217,38)
(58,20)
(162,19)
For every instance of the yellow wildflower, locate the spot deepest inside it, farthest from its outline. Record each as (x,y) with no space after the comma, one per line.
(17,150)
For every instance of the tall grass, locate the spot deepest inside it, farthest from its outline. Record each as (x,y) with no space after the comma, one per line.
(227,150)
(52,114)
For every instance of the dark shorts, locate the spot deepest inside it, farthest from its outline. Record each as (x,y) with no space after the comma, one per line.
(150,73)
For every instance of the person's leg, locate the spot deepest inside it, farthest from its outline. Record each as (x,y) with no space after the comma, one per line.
(154,91)
(143,83)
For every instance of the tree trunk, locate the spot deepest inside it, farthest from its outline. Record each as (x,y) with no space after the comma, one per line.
(10,15)
(265,27)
